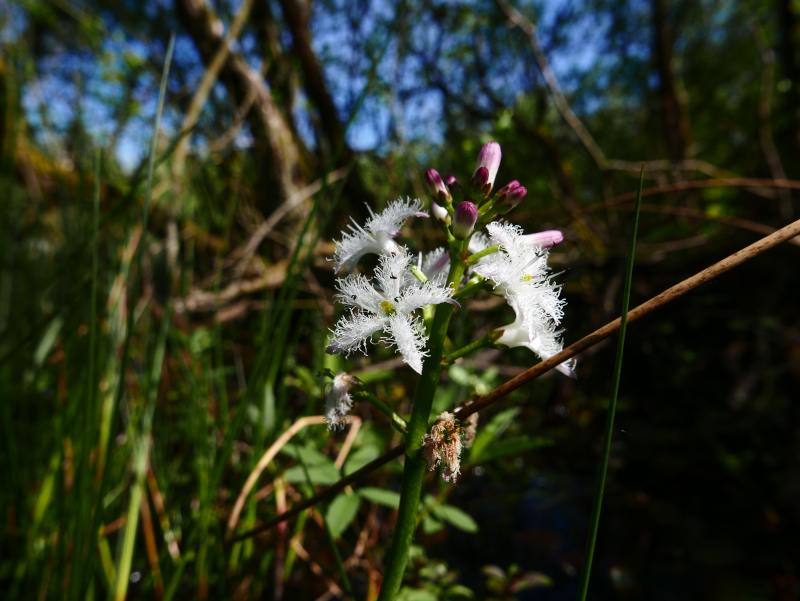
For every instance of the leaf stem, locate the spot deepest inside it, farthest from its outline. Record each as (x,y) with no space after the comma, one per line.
(583,584)
(487,340)
(482,253)
(471,288)
(398,422)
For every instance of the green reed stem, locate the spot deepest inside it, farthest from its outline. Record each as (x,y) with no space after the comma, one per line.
(416,466)
(583,584)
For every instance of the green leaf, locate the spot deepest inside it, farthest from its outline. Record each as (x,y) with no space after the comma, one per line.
(495,428)
(359,458)
(387,498)
(430,524)
(319,474)
(308,455)
(341,512)
(409,594)
(458,592)
(514,446)
(48,340)
(455,517)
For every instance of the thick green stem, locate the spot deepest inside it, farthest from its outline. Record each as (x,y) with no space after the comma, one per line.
(415,465)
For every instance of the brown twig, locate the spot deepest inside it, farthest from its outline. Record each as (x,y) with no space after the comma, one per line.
(152,548)
(270,453)
(782,235)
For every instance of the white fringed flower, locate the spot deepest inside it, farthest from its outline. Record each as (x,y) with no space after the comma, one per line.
(338,401)
(540,337)
(521,274)
(377,234)
(390,310)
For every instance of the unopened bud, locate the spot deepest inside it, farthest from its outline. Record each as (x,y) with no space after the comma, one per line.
(480,181)
(436,185)
(452,183)
(489,157)
(440,212)
(544,239)
(507,188)
(510,200)
(466,215)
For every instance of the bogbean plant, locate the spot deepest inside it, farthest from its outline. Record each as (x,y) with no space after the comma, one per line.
(411,299)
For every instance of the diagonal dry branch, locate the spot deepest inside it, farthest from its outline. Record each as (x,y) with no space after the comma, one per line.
(782,235)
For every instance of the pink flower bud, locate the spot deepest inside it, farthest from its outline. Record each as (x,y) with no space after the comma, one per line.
(489,157)
(544,239)
(452,184)
(466,215)
(510,200)
(507,188)
(480,181)
(436,185)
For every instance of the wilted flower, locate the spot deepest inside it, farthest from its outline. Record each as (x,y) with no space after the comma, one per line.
(471,430)
(338,401)
(390,310)
(377,234)
(443,445)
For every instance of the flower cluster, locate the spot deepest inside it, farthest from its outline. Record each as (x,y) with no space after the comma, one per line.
(390,306)
(484,253)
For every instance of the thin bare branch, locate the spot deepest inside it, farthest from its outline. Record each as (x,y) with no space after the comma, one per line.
(209,79)
(552,81)
(268,456)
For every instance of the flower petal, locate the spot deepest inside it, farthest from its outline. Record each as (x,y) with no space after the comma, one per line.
(408,334)
(392,218)
(352,333)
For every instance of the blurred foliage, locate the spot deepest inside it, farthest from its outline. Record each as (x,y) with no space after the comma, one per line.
(226,344)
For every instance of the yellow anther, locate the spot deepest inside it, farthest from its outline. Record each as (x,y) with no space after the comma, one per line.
(388,307)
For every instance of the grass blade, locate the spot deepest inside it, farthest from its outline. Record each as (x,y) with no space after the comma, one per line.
(98,513)
(583,584)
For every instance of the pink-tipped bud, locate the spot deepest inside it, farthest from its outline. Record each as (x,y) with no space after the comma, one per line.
(544,239)
(480,181)
(440,212)
(466,215)
(452,183)
(435,184)
(510,200)
(507,188)
(489,157)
